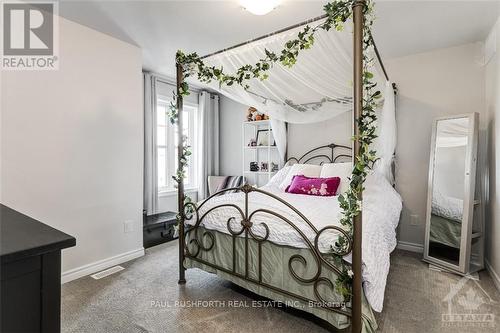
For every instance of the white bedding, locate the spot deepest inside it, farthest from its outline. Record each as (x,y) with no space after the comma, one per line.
(447,207)
(381,210)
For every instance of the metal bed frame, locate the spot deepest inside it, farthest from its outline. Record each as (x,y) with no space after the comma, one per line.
(205,241)
(246,218)
(330,158)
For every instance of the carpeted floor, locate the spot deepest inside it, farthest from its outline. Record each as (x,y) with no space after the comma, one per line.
(145,297)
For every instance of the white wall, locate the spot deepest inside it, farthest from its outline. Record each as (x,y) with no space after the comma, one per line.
(72,147)
(493,107)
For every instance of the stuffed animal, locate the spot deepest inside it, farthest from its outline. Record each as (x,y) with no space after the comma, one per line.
(251,112)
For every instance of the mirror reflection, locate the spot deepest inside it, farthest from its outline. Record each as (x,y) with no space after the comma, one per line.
(448,189)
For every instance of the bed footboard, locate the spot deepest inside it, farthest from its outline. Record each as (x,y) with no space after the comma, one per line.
(197,240)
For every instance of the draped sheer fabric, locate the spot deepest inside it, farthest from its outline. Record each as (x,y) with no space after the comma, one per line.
(385,143)
(318,87)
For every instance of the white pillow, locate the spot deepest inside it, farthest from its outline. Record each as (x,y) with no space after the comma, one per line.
(278,178)
(308,170)
(342,170)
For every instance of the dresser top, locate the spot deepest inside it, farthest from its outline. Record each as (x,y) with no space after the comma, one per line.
(22,236)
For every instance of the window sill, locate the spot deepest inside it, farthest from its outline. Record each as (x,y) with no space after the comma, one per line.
(171,193)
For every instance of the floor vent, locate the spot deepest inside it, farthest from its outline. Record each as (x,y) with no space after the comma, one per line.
(107,272)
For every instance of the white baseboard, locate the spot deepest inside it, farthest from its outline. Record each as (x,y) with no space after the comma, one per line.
(412,247)
(493,274)
(100,265)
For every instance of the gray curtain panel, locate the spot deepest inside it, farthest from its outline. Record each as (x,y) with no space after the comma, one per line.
(208,140)
(150,156)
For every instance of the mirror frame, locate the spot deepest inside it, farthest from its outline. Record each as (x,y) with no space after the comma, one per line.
(463,266)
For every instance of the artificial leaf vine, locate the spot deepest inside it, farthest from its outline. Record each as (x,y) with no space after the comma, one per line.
(337,14)
(184,157)
(349,202)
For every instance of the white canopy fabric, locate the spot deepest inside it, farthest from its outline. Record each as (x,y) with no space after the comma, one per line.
(385,143)
(318,87)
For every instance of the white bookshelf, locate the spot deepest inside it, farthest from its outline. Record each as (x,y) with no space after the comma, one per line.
(267,154)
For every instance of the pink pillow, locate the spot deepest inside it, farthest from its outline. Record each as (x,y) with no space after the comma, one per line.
(314,186)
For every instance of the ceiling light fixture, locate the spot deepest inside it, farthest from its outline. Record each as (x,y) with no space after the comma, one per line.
(260,7)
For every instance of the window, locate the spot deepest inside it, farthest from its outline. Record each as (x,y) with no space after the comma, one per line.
(167,142)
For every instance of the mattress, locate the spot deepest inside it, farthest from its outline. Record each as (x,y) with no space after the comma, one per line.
(381,210)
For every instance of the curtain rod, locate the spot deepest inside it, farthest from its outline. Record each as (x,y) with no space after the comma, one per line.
(377,54)
(293,27)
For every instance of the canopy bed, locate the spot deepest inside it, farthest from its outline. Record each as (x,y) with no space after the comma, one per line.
(303,250)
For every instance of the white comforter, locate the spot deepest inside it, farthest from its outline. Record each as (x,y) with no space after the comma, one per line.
(447,207)
(381,210)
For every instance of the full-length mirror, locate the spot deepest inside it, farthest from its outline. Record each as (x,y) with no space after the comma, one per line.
(450,202)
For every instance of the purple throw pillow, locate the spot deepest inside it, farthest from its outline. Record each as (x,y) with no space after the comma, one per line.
(326,187)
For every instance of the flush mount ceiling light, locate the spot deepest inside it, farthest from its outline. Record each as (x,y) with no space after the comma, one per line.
(260,7)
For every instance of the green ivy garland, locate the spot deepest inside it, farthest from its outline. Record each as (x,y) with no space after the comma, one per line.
(338,12)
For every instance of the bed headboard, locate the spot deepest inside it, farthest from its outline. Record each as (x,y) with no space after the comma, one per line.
(330,153)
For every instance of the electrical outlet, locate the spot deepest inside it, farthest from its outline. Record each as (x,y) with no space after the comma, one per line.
(128,226)
(414,220)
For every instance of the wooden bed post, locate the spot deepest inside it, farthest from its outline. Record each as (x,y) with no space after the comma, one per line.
(358,20)
(180,185)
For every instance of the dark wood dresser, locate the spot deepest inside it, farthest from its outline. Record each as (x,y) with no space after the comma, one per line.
(30,291)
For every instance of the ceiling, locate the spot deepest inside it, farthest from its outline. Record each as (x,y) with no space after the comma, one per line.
(162,27)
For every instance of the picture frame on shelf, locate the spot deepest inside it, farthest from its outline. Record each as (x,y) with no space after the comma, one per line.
(265,138)
(254,166)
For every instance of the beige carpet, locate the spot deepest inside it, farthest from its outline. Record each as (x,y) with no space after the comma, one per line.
(145,297)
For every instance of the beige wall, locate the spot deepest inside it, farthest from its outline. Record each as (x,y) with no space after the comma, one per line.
(493,208)
(433,84)
(72,147)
